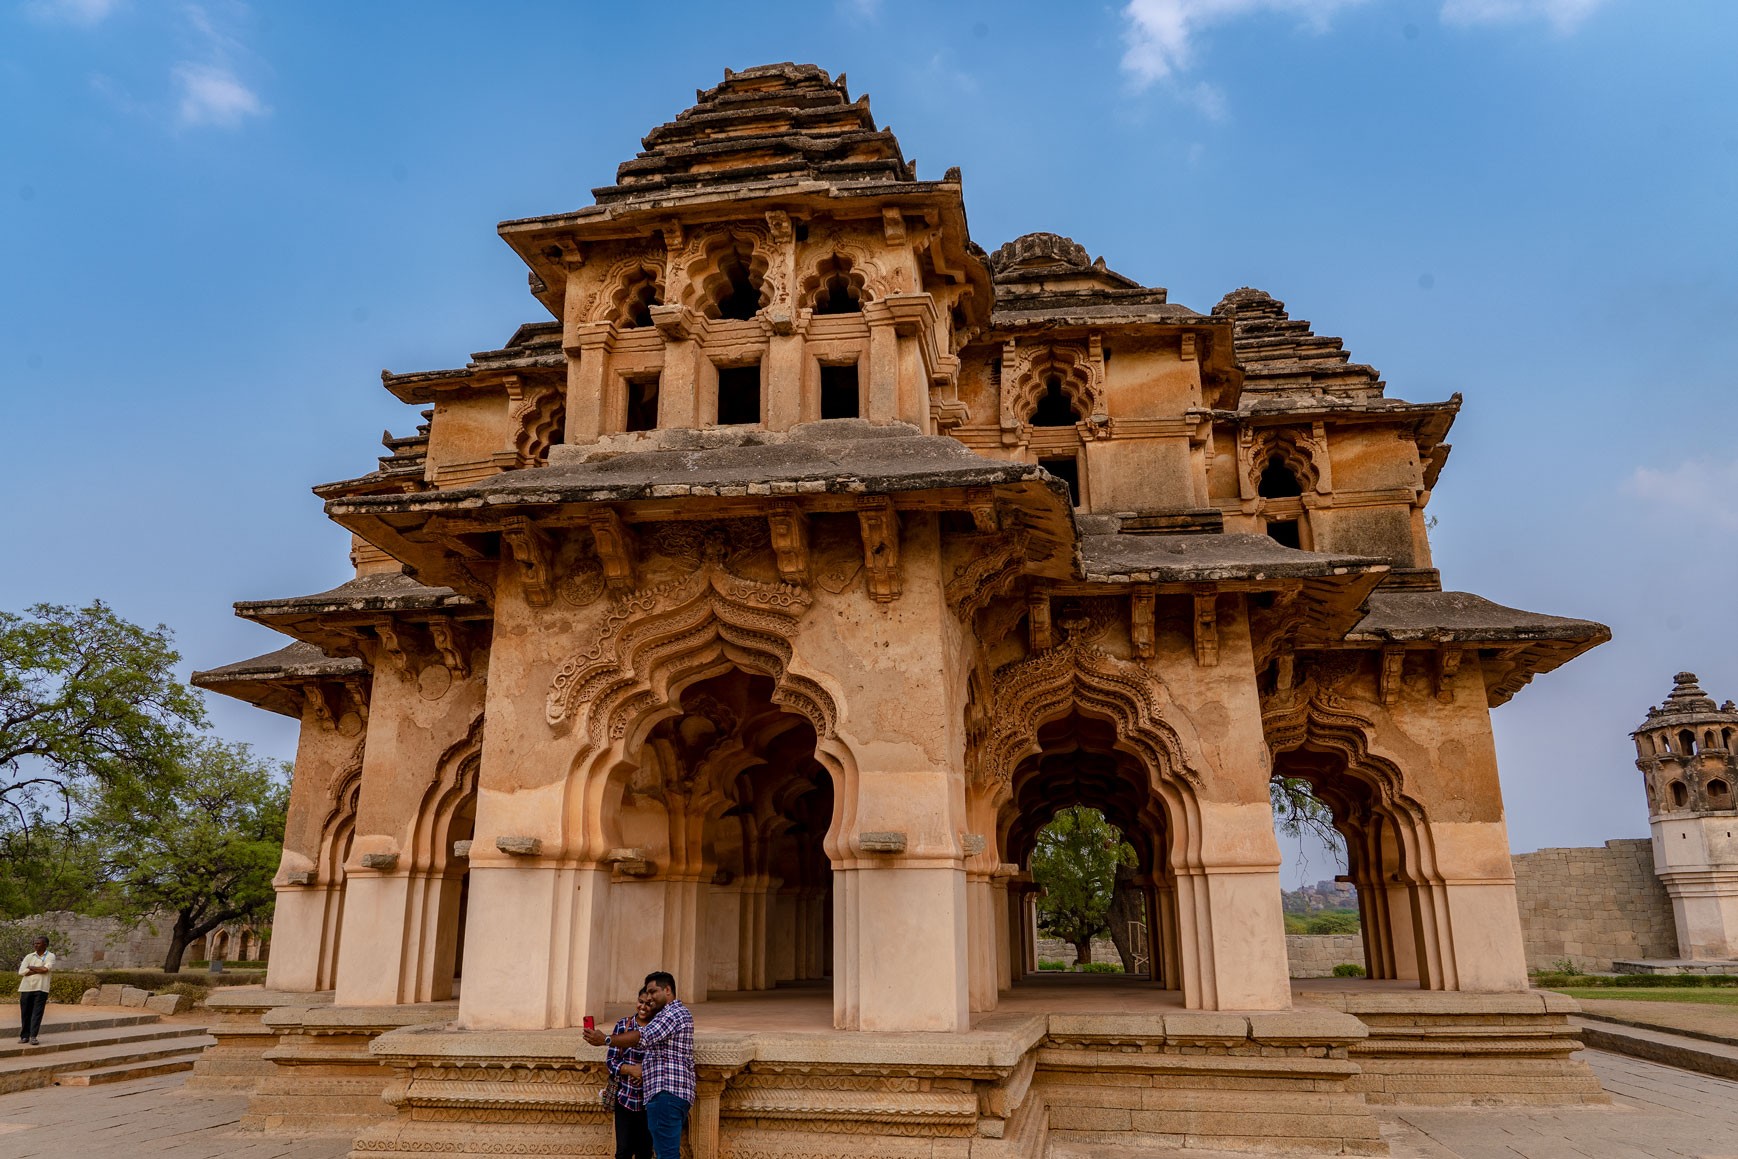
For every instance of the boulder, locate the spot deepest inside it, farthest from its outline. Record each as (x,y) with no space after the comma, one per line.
(110,994)
(133,996)
(89,997)
(166,1003)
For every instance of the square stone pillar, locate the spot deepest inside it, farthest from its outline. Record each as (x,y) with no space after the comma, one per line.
(536,954)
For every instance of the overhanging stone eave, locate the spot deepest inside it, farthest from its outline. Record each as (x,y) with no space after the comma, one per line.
(273,681)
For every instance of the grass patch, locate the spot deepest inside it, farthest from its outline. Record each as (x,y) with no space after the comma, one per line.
(1710,996)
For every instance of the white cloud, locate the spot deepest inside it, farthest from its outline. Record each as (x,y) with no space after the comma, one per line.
(84,13)
(1161,33)
(1703,491)
(1564,15)
(211,95)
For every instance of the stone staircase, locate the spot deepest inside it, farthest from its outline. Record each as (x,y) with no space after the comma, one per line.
(86,1045)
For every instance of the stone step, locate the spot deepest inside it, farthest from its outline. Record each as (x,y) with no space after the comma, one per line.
(57,1040)
(58,1019)
(121,1072)
(30,1072)
(1719,1059)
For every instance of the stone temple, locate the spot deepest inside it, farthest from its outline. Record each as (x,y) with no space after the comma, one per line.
(748,618)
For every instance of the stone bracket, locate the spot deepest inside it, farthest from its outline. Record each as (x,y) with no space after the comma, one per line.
(1206,629)
(1447,668)
(384,862)
(520,846)
(889,841)
(300,877)
(630,862)
(451,648)
(1141,631)
(1393,664)
(391,645)
(981,503)
(790,542)
(462,850)
(615,548)
(314,696)
(531,548)
(879,524)
(1043,636)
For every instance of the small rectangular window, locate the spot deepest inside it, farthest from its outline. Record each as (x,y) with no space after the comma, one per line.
(738,395)
(1284,532)
(839,398)
(1067,470)
(642,404)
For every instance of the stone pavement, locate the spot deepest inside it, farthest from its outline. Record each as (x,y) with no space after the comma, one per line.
(1700,1019)
(1657,1113)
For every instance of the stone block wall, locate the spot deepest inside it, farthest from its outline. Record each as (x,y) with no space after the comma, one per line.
(1057,950)
(1593,906)
(1316,955)
(83,943)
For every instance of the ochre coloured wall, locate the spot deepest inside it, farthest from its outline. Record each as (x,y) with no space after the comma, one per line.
(1593,906)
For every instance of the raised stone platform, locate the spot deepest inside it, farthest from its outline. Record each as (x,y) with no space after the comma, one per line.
(237,1062)
(1084,1063)
(1675,966)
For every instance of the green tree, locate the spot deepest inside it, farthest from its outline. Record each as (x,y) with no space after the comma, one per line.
(1297,811)
(85,696)
(1075,861)
(204,853)
(46,864)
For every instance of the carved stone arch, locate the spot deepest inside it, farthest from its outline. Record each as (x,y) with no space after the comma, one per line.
(839,269)
(1027,694)
(713,259)
(1323,719)
(656,642)
(343,796)
(629,289)
(455,781)
(1073,368)
(1294,452)
(539,420)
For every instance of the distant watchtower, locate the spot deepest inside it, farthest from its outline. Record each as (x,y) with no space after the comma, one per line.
(1684,750)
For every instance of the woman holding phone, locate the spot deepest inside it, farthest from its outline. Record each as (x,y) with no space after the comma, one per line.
(633,1139)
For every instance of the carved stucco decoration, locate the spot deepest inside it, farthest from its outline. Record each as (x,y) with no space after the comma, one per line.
(1316,711)
(1078,369)
(992,565)
(650,637)
(703,257)
(625,280)
(1302,453)
(1076,674)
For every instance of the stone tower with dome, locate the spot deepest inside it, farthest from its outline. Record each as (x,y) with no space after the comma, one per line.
(1684,750)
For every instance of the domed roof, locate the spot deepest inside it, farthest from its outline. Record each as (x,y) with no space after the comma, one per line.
(1687,704)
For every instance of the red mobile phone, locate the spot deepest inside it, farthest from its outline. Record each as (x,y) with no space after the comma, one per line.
(590,1022)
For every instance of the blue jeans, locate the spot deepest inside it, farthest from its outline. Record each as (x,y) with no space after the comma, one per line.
(666,1115)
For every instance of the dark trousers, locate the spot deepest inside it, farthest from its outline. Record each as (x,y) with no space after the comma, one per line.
(31,1004)
(633,1138)
(666,1115)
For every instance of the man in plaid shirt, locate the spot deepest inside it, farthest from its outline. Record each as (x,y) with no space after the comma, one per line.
(667,1069)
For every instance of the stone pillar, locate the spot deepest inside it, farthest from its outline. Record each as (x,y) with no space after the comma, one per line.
(981,940)
(883,394)
(1003,927)
(723,937)
(535,945)
(782,408)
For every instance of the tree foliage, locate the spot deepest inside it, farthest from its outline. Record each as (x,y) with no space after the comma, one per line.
(85,696)
(46,864)
(1297,811)
(1075,861)
(204,853)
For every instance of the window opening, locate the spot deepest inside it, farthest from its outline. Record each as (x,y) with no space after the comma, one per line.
(1068,470)
(1054,409)
(1278,481)
(839,395)
(838,296)
(642,404)
(638,302)
(741,301)
(1680,795)
(738,395)
(1719,794)
(1687,742)
(1285,532)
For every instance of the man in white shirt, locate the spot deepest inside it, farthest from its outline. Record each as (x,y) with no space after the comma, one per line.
(36,970)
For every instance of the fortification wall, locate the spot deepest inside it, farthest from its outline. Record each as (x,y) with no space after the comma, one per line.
(1592,906)
(1310,955)
(82,943)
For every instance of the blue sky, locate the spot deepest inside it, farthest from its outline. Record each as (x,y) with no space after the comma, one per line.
(221,221)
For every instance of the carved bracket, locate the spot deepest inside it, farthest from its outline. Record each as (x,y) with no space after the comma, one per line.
(1393,664)
(615,549)
(1141,620)
(790,542)
(531,548)
(391,646)
(520,846)
(299,877)
(1447,667)
(384,862)
(879,524)
(1043,636)
(314,696)
(448,644)
(1206,629)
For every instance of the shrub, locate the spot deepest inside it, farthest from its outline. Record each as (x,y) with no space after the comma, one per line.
(1554,981)
(1333,922)
(1348,970)
(1051,964)
(1296,924)
(1101,968)
(64,988)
